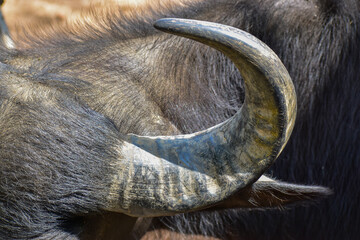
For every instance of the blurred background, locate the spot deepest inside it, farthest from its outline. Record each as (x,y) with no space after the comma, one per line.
(20,14)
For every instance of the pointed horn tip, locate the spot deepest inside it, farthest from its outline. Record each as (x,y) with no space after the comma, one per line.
(225,39)
(162,23)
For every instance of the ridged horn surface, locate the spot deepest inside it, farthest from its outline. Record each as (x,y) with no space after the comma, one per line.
(165,175)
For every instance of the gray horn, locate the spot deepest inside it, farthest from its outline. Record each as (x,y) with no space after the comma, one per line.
(165,175)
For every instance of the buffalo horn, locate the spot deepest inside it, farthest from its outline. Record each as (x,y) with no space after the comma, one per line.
(164,175)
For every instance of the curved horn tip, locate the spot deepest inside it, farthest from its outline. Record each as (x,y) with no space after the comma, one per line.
(203,168)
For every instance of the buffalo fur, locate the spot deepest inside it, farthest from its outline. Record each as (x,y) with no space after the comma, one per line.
(115,73)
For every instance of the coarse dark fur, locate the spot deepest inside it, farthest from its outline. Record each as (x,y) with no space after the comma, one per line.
(73,89)
(318,41)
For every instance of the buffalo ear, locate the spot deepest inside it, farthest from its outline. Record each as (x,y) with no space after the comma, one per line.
(268,193)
